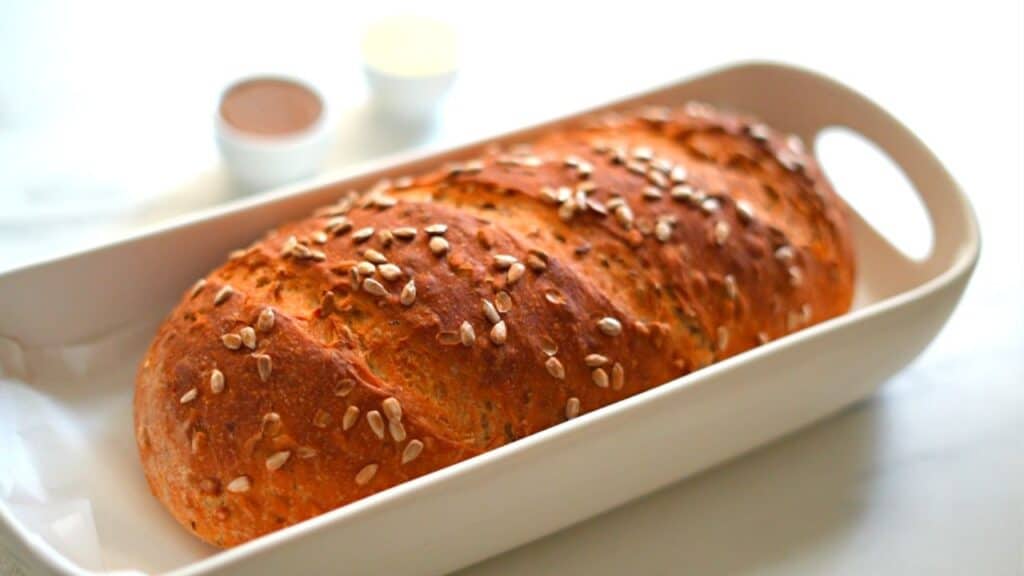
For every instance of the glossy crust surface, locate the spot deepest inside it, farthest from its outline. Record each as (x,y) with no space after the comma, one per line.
(435,317)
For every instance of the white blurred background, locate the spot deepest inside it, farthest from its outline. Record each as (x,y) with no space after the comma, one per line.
(106,127)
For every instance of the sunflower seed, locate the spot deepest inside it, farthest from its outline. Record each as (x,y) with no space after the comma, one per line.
(682,192)
(721,232)
(624,216)
(643,153)
(363,234)
(374,287)
(600,378)
(449,338)
(595,205)
(784,253)
(277,460)
(392,408)
(678,175)
(189,396)
(536,263)
(223,294)
(390,272)
(554,297)
(265,321)
(796,276)
(290,246)
(412,451)
(503,302)
(322,418)
(652,193)
(745,211)
(663,165)
(504,261)
(197,287)
(248,335)
(499,333)
(436,229)
(376,423)
(264,366)
(466,334)
(404,233)
(270,426)
(618,376)
(338,225)
(555,368)
(216,381)
(610,326)
(375,256)
(231,341)
(438,245)
(637,167)
(548,346)
(567,210)
(723,337)
(305,452)
(658,179)
(349,419)
(595,360)
(731,289)
(572,408)
(366,474)
(365,268)
(239,485)
(710,205)
(408,295)
(490,312)
(345,387)
(663,231)
(397,430)
(319,237)
(515,272)
(550,194)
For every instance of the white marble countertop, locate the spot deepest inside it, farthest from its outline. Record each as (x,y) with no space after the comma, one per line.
(926,478)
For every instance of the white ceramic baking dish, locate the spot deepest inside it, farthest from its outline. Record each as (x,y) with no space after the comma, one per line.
(72,331)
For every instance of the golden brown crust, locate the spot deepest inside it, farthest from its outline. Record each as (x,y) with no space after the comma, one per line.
(698,235)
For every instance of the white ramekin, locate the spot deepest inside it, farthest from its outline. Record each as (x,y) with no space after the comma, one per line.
(258,162)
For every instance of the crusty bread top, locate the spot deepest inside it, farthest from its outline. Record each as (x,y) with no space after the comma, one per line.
(439,316)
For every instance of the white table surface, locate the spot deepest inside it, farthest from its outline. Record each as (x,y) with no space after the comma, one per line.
(105,113)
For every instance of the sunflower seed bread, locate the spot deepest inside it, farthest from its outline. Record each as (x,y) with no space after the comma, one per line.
(437,316)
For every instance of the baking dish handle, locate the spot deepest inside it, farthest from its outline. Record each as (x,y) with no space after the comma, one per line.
(808,103)
(954,227)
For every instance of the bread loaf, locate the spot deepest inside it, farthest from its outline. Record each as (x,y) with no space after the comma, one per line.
(441,315)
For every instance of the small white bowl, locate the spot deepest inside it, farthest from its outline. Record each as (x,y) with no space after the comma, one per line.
(410,63)
(259,162)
